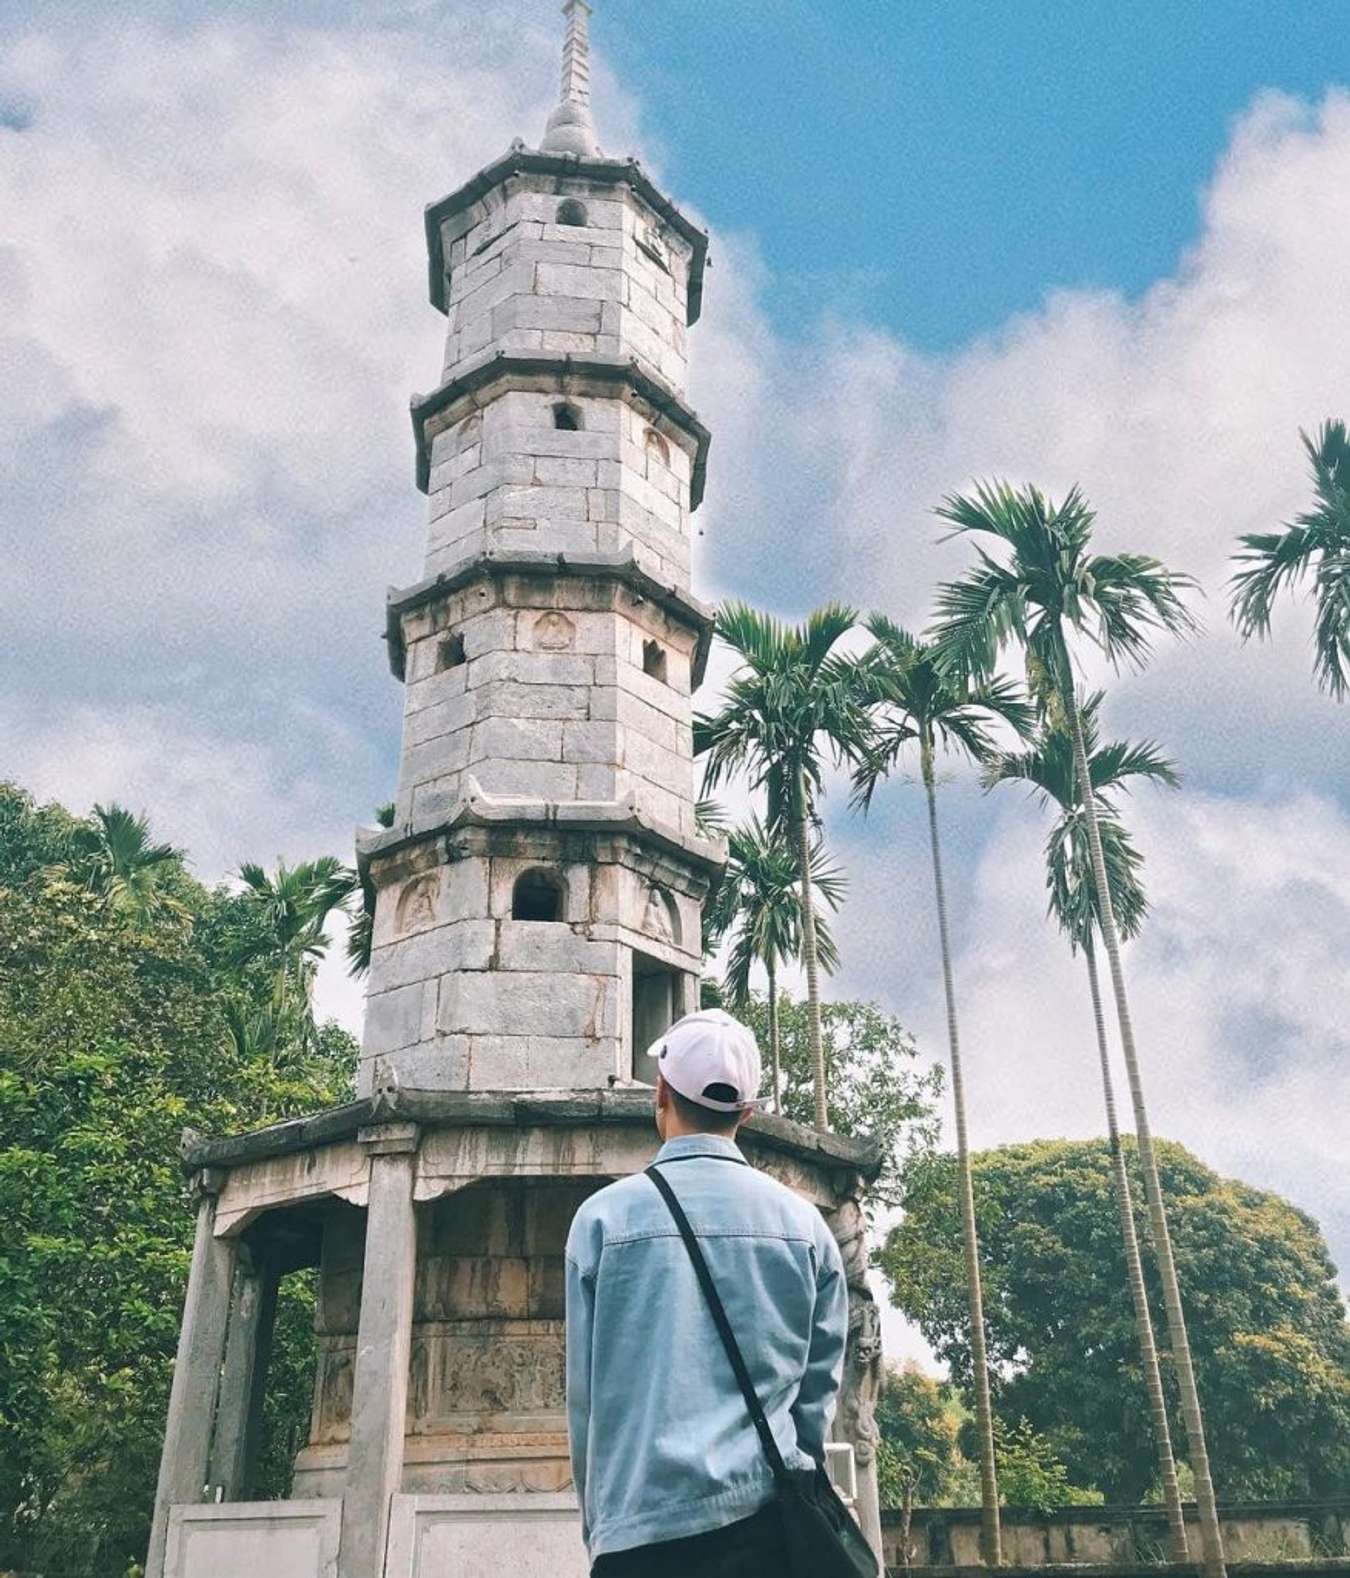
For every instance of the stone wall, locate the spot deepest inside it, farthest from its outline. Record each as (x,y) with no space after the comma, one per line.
(614,277)
(1267,1531)
(553,688)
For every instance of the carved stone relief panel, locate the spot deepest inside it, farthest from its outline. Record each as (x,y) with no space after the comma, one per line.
(660,917)
(333,1391)
(554,632)
(416,907)
(466,1374)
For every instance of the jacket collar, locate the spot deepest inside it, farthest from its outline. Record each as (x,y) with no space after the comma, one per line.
(701,1145)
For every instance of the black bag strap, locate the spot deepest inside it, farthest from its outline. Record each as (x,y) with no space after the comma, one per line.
(724,1331)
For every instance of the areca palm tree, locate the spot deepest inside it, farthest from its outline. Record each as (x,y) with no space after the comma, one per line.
(347,884)
(116,861)
(1048,767)
(917,703)
(1047,587)
(794,701)
(758,902)
(1315,543)
(288,910)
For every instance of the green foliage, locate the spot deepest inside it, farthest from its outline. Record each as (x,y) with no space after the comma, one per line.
(918,1456)
(1267,1322)
(1315,543)
(115,1034)
(793,700)
(1047,768)
(758,903)
(915,701)
(1047,585)
(926,1436)
(877,1084)
(1029,1473)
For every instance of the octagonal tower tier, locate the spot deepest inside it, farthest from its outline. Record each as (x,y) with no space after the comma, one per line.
(538,899)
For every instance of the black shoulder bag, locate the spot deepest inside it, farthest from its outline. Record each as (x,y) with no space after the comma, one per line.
(822,1539)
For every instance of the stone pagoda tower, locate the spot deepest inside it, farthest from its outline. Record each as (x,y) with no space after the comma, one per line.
(537,908)
(537,901)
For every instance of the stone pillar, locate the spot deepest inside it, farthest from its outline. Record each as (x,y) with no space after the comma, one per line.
(383,1343)
(855,1420)
(184,1462)
(243,1380)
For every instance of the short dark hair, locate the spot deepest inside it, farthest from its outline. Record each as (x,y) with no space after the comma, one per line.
(707,1120)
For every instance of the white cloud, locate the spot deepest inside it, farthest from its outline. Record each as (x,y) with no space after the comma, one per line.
(215,313)
(1237,985)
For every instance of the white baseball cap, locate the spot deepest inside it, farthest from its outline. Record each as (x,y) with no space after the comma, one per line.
(707,1049)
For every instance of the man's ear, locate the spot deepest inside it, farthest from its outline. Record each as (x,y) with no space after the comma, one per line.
(662,1093)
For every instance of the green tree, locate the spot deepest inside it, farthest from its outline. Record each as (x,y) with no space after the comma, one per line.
(1048,767)
(877,1084)
(1031,1474)
(794,700)
(113,1038)
(758,904)
(114,858)
(1315,543)
(916,703)
(284,915)
(1271,1336)
(1047,587)
(918,1458)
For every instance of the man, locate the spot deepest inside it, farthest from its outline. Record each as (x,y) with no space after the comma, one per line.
(669,1470)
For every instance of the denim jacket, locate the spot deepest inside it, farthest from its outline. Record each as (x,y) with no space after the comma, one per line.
(662,1444)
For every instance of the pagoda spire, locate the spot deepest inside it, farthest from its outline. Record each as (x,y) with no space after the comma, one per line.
(570,128)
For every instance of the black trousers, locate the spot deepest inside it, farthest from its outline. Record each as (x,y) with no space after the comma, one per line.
(752,1548)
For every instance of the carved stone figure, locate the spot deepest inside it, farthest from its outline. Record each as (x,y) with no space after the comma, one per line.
(554,632)
(417,904)
(659,917)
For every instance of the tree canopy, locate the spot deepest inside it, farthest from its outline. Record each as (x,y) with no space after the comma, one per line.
(1270,1337)
(877,1083)
(114,1036)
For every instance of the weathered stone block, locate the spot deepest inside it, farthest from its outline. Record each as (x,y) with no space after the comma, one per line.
(517,738)
(393,1018)
(528,780)
(441,1063)
(535,503)
(519,1003)
(463,945)
(577,314)
(591,742)
(564,279)
(430,722)
(506,698)
(534,668)
(421,763)
(545,945)
(565,470)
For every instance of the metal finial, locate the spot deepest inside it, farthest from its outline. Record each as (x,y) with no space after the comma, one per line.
(570,128)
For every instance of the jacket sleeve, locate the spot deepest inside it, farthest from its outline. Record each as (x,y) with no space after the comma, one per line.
(580,1319)
(813,1411)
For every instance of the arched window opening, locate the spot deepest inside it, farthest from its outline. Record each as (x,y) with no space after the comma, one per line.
(449,653)
(571,212)
(657,446)
(537,896)
(567,417)
(654,660)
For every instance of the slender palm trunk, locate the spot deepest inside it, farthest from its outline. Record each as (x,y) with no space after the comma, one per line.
(771,966)
(1210,1534)
(990,1537)
(809,956)
(1143,1321)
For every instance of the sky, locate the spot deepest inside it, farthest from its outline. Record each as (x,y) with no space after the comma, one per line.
(1049,242)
